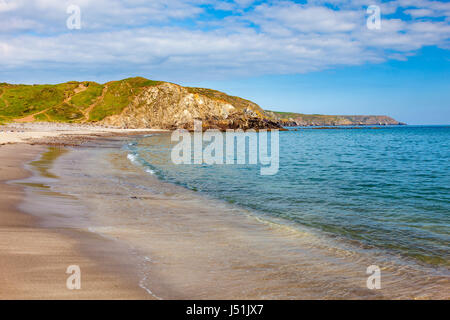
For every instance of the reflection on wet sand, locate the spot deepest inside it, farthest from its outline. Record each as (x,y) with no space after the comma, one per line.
(43,167)
(189,246)
(46,161)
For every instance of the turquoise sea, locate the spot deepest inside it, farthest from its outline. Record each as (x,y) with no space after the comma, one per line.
(386,188)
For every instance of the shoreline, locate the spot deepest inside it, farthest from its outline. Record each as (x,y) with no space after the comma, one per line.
(34,258)
(196,247)
(239,246)
(62,133)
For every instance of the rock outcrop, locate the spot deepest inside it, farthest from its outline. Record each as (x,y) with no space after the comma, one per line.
(170,106)
(289,119)
(142,103)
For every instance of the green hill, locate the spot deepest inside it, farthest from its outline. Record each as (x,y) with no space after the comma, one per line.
(139,102)
(68,102)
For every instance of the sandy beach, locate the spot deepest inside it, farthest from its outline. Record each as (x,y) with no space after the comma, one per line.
(60,133)
(79,199)
(34,259)
(213,158)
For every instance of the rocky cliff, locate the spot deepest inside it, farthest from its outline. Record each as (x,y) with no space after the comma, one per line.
(142,103)
(297,119)
(170,106)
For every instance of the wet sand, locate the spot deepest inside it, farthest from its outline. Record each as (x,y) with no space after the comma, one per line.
(186,246)
(34,259)
(136,237)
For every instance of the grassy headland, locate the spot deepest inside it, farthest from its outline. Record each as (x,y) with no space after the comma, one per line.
(88,101)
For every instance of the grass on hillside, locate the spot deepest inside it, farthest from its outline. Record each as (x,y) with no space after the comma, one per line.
(24,100)
(2,102)
(237,102)
(18,101)
(311,117)
(118,96)
(85,98)
(64,113)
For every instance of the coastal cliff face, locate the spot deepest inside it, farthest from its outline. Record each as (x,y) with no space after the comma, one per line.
(142,103)
(289,119)
(170,106)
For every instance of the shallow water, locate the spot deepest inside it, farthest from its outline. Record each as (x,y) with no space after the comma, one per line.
(195,245)
(387,188)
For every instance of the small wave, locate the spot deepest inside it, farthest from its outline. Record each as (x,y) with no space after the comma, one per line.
(132,157)
(144,279)
(142,285)
(135,160)
(102,231)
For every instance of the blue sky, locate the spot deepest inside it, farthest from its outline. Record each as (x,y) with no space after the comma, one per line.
(416,91)
(314,56)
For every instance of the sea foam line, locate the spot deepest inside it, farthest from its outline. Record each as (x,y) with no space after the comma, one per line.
(142,282)
(98,231)
(134,159)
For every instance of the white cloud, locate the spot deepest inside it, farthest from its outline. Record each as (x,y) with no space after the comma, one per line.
(273,38)
(50,15)
(6,5)
(420,12)
(305,18)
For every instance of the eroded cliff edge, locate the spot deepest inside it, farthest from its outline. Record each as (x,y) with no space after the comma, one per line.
(142,103)
(170,106)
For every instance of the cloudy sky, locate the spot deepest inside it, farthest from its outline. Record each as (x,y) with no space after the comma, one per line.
(303,56)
